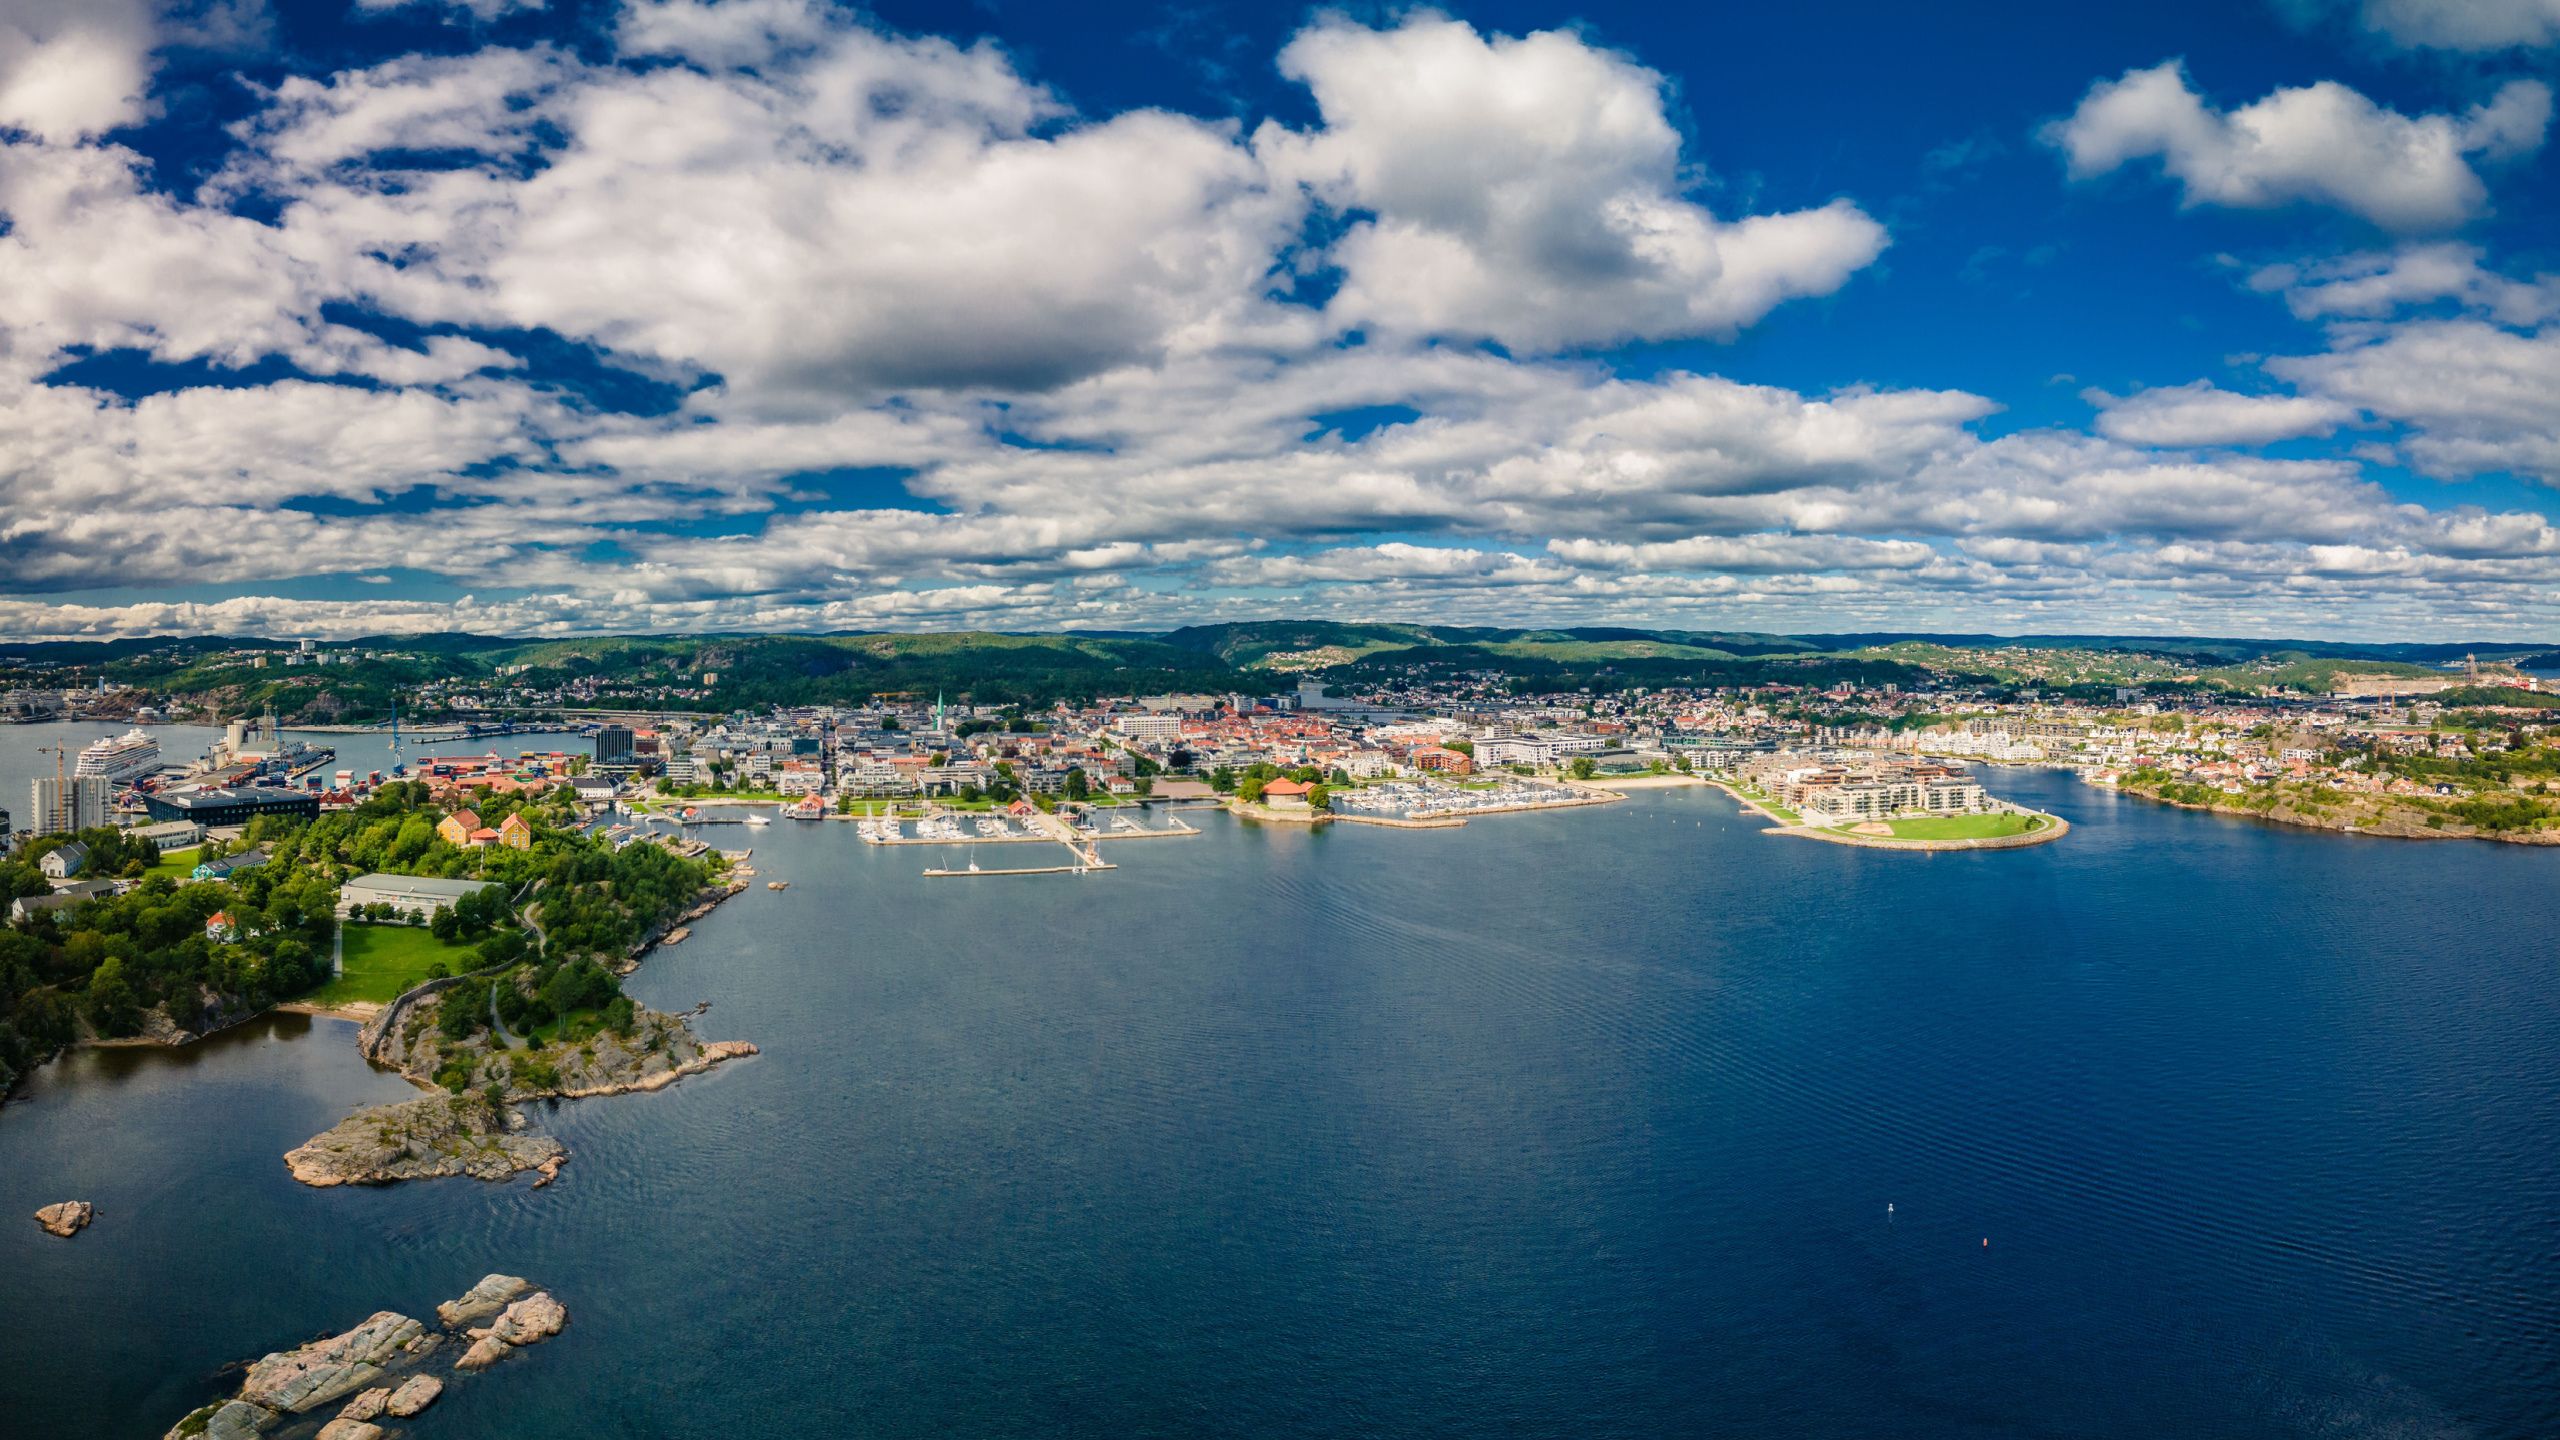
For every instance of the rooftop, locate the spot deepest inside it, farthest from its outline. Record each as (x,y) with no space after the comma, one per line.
(419,885)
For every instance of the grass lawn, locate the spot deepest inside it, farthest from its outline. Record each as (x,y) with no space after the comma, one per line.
(1992,825)
(176,864)
(576,1025)
(1765,803)
(383,960)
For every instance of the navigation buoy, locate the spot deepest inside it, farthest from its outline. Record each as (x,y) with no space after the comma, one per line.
(1986,1242)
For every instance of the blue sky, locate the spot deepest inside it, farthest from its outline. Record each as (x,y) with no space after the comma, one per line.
(339,318)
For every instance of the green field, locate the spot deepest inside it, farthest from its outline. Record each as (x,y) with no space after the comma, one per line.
(1763,801)
(176,864)
(383,960)
(1993,825)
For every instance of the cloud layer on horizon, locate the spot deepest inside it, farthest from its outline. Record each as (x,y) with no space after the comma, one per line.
(934,347)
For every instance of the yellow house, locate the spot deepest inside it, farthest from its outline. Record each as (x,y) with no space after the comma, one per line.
(455,829)
(514,833)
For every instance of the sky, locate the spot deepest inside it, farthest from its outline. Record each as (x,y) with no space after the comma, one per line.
(341,317)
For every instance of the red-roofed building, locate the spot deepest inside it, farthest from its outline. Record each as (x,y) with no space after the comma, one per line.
(1286,794)
(1442,760)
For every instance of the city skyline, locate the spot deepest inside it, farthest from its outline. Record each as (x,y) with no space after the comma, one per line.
(530,319)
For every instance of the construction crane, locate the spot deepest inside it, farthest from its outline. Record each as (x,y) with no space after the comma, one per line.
(60,820)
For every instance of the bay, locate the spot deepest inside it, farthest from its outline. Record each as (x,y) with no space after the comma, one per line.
(1580,1123)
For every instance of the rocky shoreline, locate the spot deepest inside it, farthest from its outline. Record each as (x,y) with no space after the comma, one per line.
(476,1129)
(674,930)
(387,1365)
(2386,821)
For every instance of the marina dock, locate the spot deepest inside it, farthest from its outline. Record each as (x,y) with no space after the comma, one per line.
(1023,870)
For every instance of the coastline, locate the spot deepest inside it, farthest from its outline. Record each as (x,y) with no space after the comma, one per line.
(360,1011)
(1760,808)
(2055,828)
(1622,783)
(2294,819)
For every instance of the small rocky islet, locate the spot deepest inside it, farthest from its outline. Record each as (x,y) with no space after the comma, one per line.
(471,1124)
(66,1218)
(387,1366)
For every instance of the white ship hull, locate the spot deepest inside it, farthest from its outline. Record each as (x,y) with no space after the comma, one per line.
(134,755)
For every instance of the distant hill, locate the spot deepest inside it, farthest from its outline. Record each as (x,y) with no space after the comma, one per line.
(1256,657)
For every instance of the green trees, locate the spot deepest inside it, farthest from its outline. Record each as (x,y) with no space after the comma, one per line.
(112,852)
(1320,798)
(1583,767)
(1078,787)
(1249,789)
(111,960)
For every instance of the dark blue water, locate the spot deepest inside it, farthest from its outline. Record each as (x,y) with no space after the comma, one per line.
(1578,1124)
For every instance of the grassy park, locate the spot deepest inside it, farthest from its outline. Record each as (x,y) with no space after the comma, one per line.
(176,864)
(1990,825)
(383,960)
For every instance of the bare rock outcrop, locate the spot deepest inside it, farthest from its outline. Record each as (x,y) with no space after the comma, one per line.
(529,1321)
(388,1366)
(422,1139)
(67,1218)
(415,1394)
(331,1369)
(226,1420)
(483,1300)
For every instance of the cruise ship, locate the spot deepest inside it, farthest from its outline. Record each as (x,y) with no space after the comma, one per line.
(127,757)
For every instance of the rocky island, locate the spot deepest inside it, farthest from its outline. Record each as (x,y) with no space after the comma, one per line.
(66,1219)
(388,1365)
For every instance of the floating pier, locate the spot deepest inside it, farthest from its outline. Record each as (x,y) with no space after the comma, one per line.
(1022,870)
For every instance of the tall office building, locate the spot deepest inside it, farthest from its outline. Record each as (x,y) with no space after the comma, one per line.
(81,802)
(613,744)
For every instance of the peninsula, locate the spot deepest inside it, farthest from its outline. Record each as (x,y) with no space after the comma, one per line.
(480,932)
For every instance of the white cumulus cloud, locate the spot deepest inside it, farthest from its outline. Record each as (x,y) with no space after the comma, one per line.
(1529,190)
(2202,414)
(2322,144)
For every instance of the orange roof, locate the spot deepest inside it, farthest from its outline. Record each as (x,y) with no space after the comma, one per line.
(1286,787)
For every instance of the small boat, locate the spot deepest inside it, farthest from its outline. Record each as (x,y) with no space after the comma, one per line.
(759,819)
